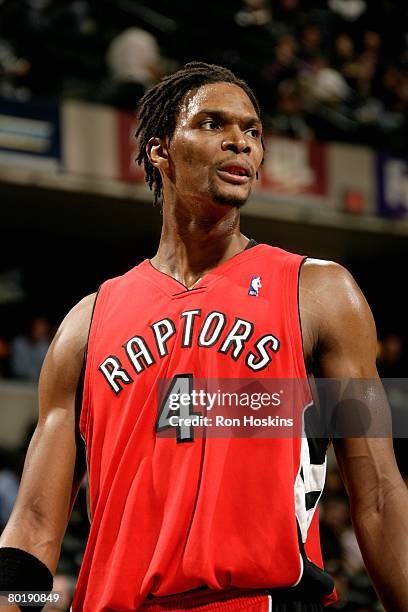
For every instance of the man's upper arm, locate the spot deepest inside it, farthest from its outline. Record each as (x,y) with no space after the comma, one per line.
(345,336)
(50,477)
(336,315)
(338,324)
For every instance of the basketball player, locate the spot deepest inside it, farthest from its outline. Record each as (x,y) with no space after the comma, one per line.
(188,521)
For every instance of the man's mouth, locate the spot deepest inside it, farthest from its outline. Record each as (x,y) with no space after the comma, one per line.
(237,170)
(234,174)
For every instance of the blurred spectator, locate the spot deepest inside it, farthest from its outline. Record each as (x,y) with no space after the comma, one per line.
(310,43)
(325,85)
(389,87)
(9,482)
(65,586)
(28,352)
(4,358)
(364,85)
(333,487)
(289,119)
(349,10)
(13,70)
(372,42)
(351,549)
(390,364)
(343,53)
(325,95)
(402,90)
(338,573)
(334,518)
(284,66)
(367,64)
(254,13)
(389,357)
(133,59)
(290,14)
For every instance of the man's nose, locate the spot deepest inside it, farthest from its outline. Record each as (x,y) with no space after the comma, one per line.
(235,140)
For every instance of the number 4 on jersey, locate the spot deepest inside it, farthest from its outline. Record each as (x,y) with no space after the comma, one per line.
(177,403)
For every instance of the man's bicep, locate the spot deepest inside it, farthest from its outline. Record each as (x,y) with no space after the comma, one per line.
(347,339)
(63,364)
(346,351)
(52,468)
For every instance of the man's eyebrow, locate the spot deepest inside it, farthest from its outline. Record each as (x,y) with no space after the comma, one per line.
(247,119)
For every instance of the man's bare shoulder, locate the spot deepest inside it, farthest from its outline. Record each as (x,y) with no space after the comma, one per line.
(318,274)
(332,306)
(75,326)
(64,361)
(327,285)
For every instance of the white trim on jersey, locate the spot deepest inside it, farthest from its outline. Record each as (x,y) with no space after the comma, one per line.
(314,476)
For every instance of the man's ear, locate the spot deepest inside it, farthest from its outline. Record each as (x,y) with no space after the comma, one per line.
(157,152)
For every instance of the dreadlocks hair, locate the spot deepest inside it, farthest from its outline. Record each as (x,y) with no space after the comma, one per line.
(159,108)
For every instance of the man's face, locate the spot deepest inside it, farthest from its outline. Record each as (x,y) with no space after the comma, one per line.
(216,148)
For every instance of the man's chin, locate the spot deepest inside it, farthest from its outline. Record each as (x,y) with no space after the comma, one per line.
(226,199)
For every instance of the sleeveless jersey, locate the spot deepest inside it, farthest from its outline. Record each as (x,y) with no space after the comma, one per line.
(172,514)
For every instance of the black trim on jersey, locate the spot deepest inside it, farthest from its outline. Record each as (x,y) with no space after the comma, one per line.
(79,398)
(189,290)
(314,428)
(310,365)
(80,460)
(89,330)
(298,308)
(317,450)
(225,351)
(311,499)
(198,314)
(172,278)
(79,393)
(144,363)
(209,329)
(315,582)
(119,364)
(250,244)
(166,351)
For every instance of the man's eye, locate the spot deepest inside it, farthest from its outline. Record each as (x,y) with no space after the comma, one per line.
(210,124)
(254,132)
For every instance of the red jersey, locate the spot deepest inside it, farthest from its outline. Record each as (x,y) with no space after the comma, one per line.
(211,512)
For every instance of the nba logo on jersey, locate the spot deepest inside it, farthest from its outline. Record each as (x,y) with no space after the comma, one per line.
(255,285)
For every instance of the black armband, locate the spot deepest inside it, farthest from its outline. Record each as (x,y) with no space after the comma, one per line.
(21,571)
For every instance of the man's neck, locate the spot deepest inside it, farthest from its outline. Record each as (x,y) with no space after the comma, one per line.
(191,245)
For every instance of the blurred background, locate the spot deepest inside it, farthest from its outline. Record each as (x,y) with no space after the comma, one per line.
(332,79)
